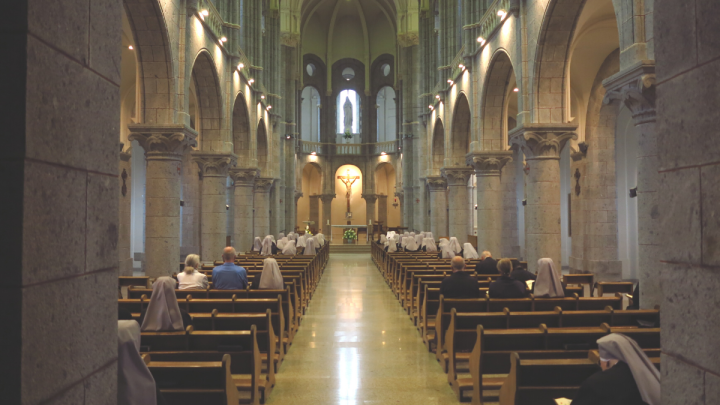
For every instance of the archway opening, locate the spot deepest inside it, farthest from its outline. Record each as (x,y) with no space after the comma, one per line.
(438,148)
(386,115)
(309,205)
(209,123)
(460,132)
(262,149)
(348,207)
(241,131)
(310,115)
(385,182)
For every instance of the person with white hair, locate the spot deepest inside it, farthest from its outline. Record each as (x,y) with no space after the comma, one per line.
(289,249)
(163,312)
(228,276)
(486,265)
(547,284)
(469,252)
(257,245)
(190,277)
(135,383)
(270,278)
(309,247)
(628,376)
(460,284)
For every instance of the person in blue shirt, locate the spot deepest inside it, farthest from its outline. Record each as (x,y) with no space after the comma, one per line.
(228,276)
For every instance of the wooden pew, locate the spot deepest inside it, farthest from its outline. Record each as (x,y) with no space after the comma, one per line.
(581,279)
(193,382)
(607,287)
(126,281)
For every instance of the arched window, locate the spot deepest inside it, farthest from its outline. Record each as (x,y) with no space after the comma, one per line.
(354,99)
(310,115)
(386,125)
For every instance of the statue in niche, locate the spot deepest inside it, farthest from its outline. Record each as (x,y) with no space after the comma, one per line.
(347,109)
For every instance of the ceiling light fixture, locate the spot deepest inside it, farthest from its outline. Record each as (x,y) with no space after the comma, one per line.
(241,65)
(481,40)
(251,81)
(516,89)
(313,153)
(130,47)
(223,39)
(502,14)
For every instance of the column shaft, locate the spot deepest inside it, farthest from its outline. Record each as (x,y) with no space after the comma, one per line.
(315,212)
(327,213)
(213,227)
(438,207)
(458,207)
(243,227)
(124,220)
(261,203)
(162,211)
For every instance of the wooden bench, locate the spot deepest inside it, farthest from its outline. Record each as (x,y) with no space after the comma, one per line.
(125,281)
(580,279)
(607,287)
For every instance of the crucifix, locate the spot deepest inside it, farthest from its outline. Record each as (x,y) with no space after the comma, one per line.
(348,181)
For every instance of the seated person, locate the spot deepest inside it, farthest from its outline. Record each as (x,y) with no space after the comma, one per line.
(460,284)
(268,246)
(411,245)
(191,278)
(135,383)
(547,284)
(163,312)
(309,247)
(382,240)
(469,252)
(505,287)
(486,265)
(520,273)
(257,245)
(228,276)
(281,243)
(628,377)
(391,246)
(456,247)
(270,278)
(428,245)
(289,249)
(320,239)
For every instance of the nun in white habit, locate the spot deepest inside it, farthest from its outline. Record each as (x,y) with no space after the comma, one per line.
(392,246)
(547,284)
(267,245)
(628,376)
(289,248)
(411,245)
(301,241)
(383,239)
(163,312)
(309,247)
(271,279)
(257,244)
(429,245)
(135,383)
(447,252)
(455,245)
(321,239)
(469,252)
(404,242)
(418,239)
(281,243)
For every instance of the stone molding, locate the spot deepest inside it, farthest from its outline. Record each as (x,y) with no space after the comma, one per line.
(489,162)
(244,177)
(634,87)
(457,177)
(125,155)
(407,39)
(298,195)
(370,198)
(542,141)
(263,184)
(327,198)
(436,183)
(291,39)
(163,140)
(214,164)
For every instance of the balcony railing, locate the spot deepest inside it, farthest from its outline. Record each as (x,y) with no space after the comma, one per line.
(356,149)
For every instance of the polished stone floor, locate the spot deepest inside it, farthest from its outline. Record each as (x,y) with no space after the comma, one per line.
(357,346)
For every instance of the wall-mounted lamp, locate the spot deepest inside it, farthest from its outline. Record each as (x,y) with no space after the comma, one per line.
(450,81)
(475,207)
(461,66)
(223,39)
(516,89)
(431,107)
(383,153)
(130,47)
(313,153)
(227,207)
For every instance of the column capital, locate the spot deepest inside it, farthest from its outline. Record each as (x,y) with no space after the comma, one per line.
(214,164)
(457,177)
(125,155)
(371,198)
(327,198)
(436,183)
(161,140)
(263,184)
(489,162)
(298,195)
(314,196)
(245,177)
(634,87)
(381,196)
(542,141)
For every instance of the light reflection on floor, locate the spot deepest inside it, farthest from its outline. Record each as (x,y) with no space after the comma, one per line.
(357,346)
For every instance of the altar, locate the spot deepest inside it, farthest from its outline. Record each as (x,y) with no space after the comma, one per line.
(350,227)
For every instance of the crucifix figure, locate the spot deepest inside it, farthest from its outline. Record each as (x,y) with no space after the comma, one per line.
(348,181)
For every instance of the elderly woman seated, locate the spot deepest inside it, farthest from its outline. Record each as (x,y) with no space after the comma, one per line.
(506,287)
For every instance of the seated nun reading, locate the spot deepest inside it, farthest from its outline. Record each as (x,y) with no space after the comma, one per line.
(163,312)
(506,287)
(228,276)
(469,252)
(190,277)
(628,377)
(135,383)
(270,278)
(257,245)
(547,284)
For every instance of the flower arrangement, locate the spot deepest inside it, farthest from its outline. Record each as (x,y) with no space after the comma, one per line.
(350,234)
(347,134)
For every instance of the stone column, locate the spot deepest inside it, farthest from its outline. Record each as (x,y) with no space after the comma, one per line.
(297,196)
(458,209)
(213,224)
(541,144)
(125,267)
(401,200)
(382,209)
(275,223)
(261,204)
(164,147)
(282,208)
(488,166)
(419,211)
(315,212)
(438,206)
(243,228)
(370,216)
(635,87)
(327,213)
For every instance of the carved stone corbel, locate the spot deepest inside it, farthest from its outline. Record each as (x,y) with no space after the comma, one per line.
(634,87)
(488,162)
(543,141)
(215,164)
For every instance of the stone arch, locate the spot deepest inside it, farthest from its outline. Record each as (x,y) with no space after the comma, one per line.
(154,56)
(209,95)
(438,147)
(494,114)
(460,141)
(242,145)
(262,153)
(310,114)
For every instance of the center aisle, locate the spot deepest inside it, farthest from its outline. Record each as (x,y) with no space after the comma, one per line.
(357,346)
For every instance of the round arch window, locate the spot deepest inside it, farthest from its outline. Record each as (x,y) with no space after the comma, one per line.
(348,73)
(310,68)
(385,69)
